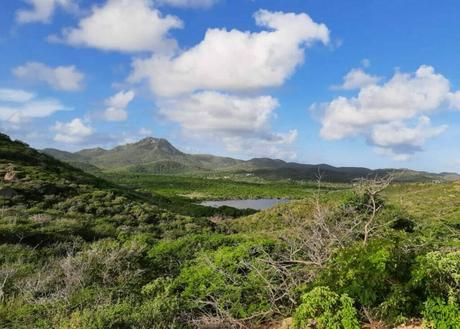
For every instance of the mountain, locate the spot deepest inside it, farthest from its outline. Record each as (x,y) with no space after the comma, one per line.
(159,156)
(145,152)
(149,155)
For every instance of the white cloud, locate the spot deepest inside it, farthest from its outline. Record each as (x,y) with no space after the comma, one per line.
(120,100)
(403,97)
(400,141)
(18,106)
(30,110)
(65,78)
(234,120)
(357,78)
(454,100)
(220,113)
(233,60)
(379,112)
(277,145)
(15,95)
(43,10)
(71,132)
(116,106)
(187,3)
(123,25)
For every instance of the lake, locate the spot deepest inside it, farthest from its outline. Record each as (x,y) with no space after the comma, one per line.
(257,204)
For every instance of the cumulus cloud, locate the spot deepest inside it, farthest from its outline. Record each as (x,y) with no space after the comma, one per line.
(380,111)
(41,11)
(222,113)
(227,118)
(72,132)
(116,106)
(187,3)
(233,60)
(18,106)
(400,141)
(357,78)
(65,78)
(123,25)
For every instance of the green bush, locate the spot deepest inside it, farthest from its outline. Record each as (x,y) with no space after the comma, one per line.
(168,256)
(322,308)
(437,274)
(226,280)
(100,317)
(437,277)
(367,273)
(441,315)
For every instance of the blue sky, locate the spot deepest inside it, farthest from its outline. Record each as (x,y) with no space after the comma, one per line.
(350,83)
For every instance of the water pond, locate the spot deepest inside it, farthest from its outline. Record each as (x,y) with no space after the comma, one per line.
(257,204)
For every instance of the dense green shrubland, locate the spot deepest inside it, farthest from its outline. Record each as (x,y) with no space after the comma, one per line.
(79,252)
(217,186)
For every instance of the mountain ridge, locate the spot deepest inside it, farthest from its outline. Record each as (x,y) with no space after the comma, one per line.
(159,156)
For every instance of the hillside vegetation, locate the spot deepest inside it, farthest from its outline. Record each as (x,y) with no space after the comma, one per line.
(79,251)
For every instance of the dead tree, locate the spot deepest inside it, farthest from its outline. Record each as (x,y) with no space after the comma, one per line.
(370,189)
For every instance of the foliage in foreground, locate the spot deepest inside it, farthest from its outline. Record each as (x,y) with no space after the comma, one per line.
(324,309)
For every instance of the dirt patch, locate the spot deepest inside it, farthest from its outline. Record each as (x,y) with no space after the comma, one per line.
(284,324)
(415,324)
(288,324)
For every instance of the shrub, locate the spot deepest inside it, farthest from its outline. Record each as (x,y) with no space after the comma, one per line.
(101,317)
(225,281)
(322,308)
(438,275)
(161,312)
(367,273)
(441,315)
(168,256)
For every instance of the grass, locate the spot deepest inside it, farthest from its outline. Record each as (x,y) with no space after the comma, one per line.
(428,202)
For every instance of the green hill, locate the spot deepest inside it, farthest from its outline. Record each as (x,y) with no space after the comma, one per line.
(35,184)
